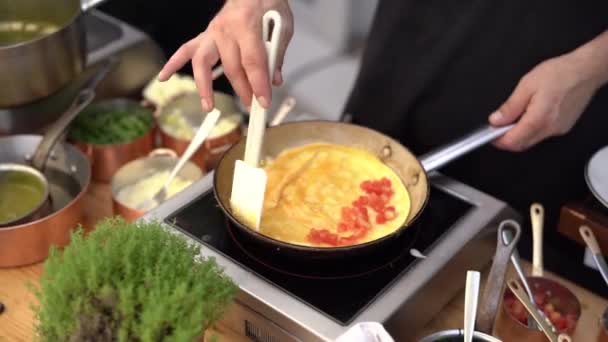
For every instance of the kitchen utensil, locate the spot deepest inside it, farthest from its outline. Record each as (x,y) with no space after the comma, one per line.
(68,175)
(228,130)
(50,139)
(57,130)
(284,109)
(249,182)
(158,160)
(37,66)
(496,278)
(507,236)
(596,175)
(542,321)
(412,171)
(199,138)
(537,216)
(591,242)
(106,159)
(471,296)
(510,325)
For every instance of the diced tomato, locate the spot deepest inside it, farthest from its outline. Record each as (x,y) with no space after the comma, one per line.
(342,227)
(366,185)
(385,182)
(390,213)
(319,236)
(380,218)
(389,193)
(539,299)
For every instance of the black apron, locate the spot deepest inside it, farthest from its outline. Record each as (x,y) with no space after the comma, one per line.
(434,70)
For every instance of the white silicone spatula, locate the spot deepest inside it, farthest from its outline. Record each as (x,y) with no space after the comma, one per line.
(249,182)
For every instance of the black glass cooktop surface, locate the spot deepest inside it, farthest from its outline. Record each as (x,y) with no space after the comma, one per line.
(354,286)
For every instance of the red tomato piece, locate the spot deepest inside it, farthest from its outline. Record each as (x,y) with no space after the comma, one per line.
(539,298)
(380,218)
(342,227)
(366,185)
(385,182)
(322,236)
(390,213)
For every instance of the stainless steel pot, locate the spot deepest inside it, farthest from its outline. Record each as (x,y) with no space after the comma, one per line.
(458,335)
(36,68)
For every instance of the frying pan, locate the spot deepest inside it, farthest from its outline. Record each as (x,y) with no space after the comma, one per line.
(412,171)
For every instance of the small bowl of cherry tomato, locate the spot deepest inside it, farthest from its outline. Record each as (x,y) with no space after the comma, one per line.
(556,301)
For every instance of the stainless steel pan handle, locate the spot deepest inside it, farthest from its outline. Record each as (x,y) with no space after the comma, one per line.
(445,154)
(86,5)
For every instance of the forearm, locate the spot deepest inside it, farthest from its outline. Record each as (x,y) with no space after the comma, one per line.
(594,55)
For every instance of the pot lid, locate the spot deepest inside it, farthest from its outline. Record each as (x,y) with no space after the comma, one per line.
(596,175)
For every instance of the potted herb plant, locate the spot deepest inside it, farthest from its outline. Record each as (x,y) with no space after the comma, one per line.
(129,282)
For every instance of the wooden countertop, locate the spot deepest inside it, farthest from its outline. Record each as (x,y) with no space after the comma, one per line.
(17,321)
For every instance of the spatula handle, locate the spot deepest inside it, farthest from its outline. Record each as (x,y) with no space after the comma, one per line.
(257,116)
(537,216)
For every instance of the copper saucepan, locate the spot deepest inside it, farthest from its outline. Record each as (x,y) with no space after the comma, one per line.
(412,171)
(68,174)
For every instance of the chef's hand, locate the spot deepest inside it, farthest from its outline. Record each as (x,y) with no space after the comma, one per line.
(549,100)
(234,36)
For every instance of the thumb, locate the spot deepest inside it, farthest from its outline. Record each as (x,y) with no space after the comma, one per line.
(513,108)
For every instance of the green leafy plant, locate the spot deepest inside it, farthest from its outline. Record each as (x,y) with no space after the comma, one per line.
(129,282)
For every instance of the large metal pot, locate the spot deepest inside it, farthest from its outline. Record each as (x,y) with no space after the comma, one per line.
(41,64)
(68,173)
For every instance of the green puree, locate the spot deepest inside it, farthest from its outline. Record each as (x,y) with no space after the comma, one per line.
(20,193)
(103,126)
(15,32)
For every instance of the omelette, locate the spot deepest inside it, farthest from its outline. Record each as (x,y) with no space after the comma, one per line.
(327,195)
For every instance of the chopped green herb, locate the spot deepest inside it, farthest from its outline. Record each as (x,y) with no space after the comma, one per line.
(105,124)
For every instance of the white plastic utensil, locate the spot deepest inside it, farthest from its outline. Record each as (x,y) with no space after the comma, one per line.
(537,216)
(471,296)
(249,182)
(285,108)
(591,242)
(201,134)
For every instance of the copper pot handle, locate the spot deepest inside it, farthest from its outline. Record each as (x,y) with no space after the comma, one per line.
(162,152)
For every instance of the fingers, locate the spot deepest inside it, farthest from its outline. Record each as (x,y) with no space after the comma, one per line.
(179,59)
(533,127)
(255,64)
(203,60)
(514,107)
(231,61)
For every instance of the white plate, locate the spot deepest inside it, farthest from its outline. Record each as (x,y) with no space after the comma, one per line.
(596,175)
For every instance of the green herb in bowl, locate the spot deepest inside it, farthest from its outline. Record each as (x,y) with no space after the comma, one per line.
(115,121)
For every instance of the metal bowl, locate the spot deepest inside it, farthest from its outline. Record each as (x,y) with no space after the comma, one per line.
(157,161)
(456,335)
(209,154)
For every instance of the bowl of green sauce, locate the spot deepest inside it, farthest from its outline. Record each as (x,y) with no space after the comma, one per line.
(24,194)
(112,133)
